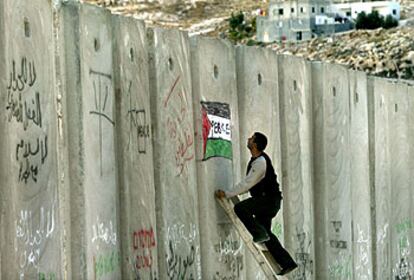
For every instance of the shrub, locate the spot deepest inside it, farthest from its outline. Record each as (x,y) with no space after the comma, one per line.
(374,20)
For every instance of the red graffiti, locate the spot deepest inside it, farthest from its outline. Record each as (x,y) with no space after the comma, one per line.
(179,126)
(143,239)
(143,261)
(206,128)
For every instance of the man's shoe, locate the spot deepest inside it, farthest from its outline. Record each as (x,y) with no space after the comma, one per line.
(287,269)
(261,239)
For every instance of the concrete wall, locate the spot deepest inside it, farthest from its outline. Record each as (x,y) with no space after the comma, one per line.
(174,155)
(134,150)
(296,130)
(109,155)
(217,154)
(31,233)
(90,98)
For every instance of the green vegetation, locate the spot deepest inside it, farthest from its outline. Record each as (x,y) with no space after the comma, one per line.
(241,29)
(374,20)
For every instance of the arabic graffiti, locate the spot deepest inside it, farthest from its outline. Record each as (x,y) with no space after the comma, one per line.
(178,266)
(102,84)
(106,264)
(104,232)
(183,256)
(362,268)
(230,251)
(33,230)
(178,125)
(23,107)
(403,269)
(47,276)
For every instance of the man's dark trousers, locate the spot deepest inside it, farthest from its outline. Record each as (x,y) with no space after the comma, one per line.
(257,213)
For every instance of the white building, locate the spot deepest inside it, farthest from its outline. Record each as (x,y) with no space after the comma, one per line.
(384,8)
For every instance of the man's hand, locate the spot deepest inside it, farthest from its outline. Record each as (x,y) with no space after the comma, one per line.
(220,193)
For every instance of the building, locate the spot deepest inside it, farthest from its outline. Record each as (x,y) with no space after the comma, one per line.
(298,20)
(384,8)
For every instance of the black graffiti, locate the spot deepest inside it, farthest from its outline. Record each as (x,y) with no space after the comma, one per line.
(27,149)
(26,153)
(101,87)
(219,128)
(24,111)
(337,243)
(178,266)
(403,271)
(139,121)
(303,259)
(26,77)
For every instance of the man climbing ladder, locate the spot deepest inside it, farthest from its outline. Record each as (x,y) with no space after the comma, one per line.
(257,212)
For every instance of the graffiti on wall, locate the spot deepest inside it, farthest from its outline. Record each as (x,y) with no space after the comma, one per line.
(107,263)
(362,268)
(104,232)
(230,254)
(23,107)
(183,254)
(143,243)
(102,86)
(138,124)
(403,269)
(383,248)
(179,127)
(341,265)
(216,130)
(303,257)
(34,228)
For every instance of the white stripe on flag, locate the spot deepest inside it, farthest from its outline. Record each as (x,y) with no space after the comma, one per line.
(220,128)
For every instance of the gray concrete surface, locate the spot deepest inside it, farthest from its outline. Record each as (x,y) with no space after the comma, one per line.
(360,175)
(213,65)
(297,163)
(393,195)
(174,155)
(134,150)
(32,236)
(90,97)
(3,99)
(338,221)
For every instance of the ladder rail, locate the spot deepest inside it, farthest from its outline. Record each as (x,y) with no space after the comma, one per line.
(264,258)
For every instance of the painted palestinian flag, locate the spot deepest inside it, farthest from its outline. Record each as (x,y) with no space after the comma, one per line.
(216,130)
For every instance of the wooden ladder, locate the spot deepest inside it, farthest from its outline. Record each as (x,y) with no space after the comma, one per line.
(265,260)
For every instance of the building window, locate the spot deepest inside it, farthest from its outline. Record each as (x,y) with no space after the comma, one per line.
(292,10)
(394,12)
(280,24)
(348,14)
(313,10)
(302,10)
(322,10)
(299,36)
(280,11)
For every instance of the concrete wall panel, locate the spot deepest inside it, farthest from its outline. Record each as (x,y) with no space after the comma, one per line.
(296,129)
(32,233)
(174,155)
(257,83)
(217,153)
(392,180)
(332,180)
(90,95)
(134,149)
(360,176)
